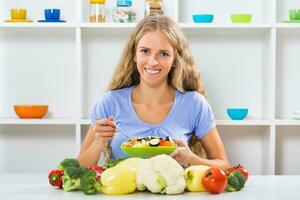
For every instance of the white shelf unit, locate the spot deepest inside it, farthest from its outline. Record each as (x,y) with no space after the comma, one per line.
(68,66)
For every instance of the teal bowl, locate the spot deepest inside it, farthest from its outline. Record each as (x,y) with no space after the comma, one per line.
(203,18)
(237,113)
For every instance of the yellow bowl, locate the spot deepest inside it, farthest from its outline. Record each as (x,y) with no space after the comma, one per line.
(31,111)
(18,13)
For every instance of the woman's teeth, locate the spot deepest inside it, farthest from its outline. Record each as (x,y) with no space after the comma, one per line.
(152,71)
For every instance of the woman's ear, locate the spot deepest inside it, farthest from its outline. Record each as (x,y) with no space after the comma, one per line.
(134,58)
(174,64)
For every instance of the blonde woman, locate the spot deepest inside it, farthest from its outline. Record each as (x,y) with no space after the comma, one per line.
(155,90)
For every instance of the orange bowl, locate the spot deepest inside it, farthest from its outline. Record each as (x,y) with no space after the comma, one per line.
(31,111)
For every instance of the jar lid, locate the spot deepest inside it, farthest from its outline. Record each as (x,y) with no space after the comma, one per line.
(126,3)
(97,1)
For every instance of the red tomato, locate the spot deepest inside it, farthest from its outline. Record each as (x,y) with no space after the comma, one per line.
(214,180)
(165,143)
(239,168)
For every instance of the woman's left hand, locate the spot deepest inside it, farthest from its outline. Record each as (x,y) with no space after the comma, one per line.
(182,154)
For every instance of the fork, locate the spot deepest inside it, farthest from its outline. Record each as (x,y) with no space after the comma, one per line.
(125,134)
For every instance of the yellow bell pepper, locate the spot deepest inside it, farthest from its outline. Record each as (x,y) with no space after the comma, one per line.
(193,177)
(118,180)
(131,163)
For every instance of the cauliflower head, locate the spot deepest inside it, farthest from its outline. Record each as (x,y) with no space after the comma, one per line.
(160,174)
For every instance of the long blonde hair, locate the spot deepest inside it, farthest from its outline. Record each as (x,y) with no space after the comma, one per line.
(183,77)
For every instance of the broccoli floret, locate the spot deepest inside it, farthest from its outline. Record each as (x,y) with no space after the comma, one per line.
(71,178)
(111,163)
(88,183)
(70,184)
(68,162)
(76,172)
(235,181)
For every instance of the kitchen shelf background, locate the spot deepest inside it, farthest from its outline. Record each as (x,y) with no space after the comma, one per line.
(248,62)
(69,65)
(35,9)
(262,11)
(38,67)
(35,148)
(287,73)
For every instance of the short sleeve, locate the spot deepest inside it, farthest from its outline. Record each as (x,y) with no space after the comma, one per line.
(102,108)
(204,116)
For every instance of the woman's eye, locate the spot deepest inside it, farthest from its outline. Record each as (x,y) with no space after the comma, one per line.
(164,54)
(145,51)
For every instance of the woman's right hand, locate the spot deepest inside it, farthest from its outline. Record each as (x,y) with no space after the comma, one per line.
(104,130)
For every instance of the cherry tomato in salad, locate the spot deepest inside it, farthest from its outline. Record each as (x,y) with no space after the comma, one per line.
(214,180)
(239,168)
(165,143)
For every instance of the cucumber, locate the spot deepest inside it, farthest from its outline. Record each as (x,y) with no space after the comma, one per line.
(154,142)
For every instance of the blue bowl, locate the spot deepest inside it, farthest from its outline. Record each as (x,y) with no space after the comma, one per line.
(203,18)
(52,14)
(237,113)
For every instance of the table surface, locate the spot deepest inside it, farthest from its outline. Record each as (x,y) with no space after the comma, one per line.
(36,186)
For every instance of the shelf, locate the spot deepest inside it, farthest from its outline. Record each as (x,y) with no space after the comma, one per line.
(66,121)
(125,26)
(224,26)
(277,122)
(109,25)
(15,121)
(288,25)
(244,122)
(287,122)
(37,25)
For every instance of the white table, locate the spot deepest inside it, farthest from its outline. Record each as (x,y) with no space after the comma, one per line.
(36,186)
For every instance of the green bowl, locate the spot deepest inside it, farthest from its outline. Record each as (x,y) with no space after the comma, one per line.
(241,18)
(148,152)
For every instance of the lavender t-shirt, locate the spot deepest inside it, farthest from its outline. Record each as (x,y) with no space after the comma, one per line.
(190,113)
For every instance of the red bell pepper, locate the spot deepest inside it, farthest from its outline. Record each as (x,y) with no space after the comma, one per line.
(55,178)
(239,168)
(98,170)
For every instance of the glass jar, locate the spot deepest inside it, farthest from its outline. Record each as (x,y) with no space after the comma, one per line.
(154,7)
(124,13)
(97,11)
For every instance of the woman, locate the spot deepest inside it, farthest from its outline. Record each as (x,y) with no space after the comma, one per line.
(155,90)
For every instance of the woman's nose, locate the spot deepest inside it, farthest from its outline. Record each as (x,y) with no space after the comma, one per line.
(153,61)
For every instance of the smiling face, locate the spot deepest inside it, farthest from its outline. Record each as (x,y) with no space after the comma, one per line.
(154,58)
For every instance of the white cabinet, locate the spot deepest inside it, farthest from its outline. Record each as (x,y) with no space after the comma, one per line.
(68,66)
